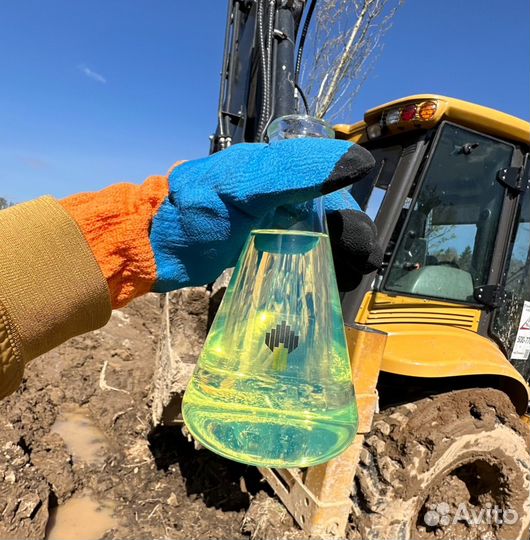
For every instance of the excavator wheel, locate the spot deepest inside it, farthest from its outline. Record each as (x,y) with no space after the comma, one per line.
(451,466)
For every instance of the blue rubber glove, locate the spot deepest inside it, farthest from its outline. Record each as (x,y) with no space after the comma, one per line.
(214,203)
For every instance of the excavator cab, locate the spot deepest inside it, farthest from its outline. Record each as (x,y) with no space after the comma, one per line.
(450,198)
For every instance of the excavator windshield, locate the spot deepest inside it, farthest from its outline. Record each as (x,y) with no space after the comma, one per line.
(446,245)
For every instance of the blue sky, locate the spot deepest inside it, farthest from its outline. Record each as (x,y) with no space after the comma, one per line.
(94,92)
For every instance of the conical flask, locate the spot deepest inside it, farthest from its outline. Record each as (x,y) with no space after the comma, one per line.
(273,384)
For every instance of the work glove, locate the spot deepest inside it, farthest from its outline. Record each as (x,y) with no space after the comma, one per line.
(184,230)
(353,238)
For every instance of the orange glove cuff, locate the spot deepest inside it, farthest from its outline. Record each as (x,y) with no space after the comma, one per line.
(116,223)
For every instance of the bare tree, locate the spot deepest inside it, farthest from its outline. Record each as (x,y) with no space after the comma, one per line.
(4,203)
(342,47)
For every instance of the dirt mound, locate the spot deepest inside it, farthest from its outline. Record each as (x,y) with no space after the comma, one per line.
(160,486)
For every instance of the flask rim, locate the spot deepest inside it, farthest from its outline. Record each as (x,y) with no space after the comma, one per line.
(303,125)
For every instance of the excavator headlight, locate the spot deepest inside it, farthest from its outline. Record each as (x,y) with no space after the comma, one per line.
(392,117)
(373,131)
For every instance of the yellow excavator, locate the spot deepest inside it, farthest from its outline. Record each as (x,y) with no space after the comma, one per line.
(439,337)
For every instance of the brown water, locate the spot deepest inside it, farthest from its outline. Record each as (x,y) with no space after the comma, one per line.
(83,439)
(80,518)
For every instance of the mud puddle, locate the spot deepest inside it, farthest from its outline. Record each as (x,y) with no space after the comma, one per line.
(81,518)
(82,438)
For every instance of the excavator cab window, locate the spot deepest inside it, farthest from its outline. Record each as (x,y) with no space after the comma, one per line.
(371,190)
(446,246)
(511,324)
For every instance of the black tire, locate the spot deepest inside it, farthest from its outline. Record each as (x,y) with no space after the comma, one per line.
(428,468)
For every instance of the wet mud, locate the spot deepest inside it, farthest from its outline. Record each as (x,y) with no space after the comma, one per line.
(76,439)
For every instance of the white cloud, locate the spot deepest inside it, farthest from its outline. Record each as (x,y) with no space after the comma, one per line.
(91,74)
(34,162)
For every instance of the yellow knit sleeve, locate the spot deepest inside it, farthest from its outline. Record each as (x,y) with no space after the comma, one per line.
(51,287)
(11,363)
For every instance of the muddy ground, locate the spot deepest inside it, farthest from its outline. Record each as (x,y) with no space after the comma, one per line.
(160,485)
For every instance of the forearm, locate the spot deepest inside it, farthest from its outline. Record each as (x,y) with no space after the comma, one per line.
(65,264)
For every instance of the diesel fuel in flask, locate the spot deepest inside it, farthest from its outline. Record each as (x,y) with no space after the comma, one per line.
(273,384)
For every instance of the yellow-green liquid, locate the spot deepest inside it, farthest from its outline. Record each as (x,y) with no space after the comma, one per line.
(273,383)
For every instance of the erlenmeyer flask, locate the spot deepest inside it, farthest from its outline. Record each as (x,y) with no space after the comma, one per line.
(273,386)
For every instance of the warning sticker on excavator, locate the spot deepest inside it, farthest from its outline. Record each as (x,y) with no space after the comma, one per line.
(521,348)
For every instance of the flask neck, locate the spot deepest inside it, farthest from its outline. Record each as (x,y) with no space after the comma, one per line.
(299,126)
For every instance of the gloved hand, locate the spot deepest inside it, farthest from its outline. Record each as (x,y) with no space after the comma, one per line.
(186,229)
(353,238)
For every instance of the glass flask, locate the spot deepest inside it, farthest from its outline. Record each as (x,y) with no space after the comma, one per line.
(273,384)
